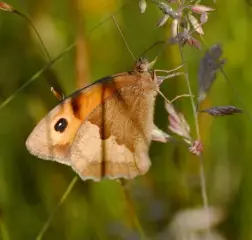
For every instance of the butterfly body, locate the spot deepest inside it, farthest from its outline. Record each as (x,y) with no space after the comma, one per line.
(102,130)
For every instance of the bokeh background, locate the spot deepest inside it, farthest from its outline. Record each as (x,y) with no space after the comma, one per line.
(166,203)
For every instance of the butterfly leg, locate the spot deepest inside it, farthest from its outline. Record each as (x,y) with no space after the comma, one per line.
(160,79)
(169,74)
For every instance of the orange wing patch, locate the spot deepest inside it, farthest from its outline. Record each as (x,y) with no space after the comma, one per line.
(85,102)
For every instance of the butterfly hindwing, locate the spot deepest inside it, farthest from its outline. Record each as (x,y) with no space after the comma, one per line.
(114,139)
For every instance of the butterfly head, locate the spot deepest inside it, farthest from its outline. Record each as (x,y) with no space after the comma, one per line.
(143,65)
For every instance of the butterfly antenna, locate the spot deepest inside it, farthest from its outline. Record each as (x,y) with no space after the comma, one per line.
(152,46)
(132,55)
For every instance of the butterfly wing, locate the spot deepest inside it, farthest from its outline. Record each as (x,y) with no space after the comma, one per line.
(103,130)
(50,140)
(113,141)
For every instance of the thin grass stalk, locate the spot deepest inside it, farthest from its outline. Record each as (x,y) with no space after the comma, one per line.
(62,200)
(201,163)
(36,32)
(195,115)
(48,65)
(34,77)
(132,213)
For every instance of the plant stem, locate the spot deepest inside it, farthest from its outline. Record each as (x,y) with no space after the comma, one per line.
(132,212)
(34,77)
(201,163)
(63,198)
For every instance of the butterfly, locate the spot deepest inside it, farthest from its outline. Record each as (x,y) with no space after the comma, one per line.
(103,130)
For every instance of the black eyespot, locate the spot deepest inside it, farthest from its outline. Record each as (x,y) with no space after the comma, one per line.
(61,125)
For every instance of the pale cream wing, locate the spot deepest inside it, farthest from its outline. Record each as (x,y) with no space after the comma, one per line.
(93,158)
(46,143)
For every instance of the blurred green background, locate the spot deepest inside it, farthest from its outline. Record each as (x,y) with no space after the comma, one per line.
(166,201)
